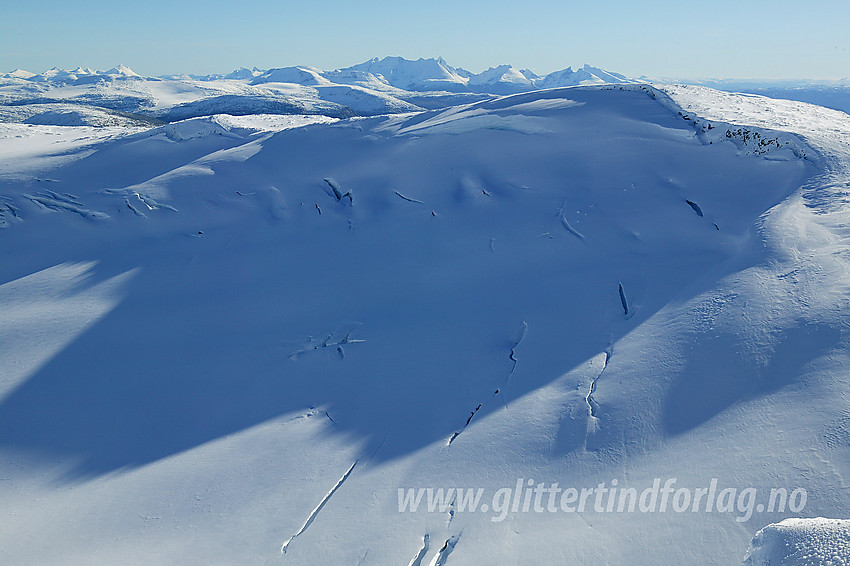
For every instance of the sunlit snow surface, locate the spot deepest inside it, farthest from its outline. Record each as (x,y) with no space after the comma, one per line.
(233,335)
(802,542)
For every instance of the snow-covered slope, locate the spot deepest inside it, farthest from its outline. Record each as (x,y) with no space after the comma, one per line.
(230,342)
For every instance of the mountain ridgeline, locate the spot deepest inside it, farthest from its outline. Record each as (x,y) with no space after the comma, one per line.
(121,97)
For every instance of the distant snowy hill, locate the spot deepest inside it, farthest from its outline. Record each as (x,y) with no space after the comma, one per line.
(234,339)
(306,76)
(378,86)
(833,94)
(78,75)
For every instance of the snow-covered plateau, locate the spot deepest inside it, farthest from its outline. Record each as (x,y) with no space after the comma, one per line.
(254,338)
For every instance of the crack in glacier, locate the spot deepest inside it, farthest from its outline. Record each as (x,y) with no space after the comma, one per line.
(420,556)
(523,330)
(318,508)
(66,197)
(135,210)
(312,345)
(696,207)
(623,300)
(562,214)
(408,199)
(337,190)
(443,554)
(148,201)
(592,405)
(54,204)
(9,205)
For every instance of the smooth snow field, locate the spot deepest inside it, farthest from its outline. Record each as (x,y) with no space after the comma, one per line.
(233,340)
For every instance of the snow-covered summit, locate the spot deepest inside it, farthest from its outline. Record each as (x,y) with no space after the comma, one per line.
(301,75)
(18,74)
(57,75)
(86,71)
(121,71)
(587,75)
(243,73)
(503,78)
(436,74)
(421,74)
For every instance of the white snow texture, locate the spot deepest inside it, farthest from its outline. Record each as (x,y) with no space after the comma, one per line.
(230,337)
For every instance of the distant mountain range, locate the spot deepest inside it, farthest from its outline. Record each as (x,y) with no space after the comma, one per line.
(411,75)
(76,76)
(391,85)
(119,96)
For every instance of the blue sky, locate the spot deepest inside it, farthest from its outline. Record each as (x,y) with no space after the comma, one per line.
(685,39)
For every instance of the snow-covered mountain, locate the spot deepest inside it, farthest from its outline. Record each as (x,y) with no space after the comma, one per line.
(234,339)
(502,78)
(587,75)
(78,75)
(377,86)
(18,74)
(422,74)
(306,76)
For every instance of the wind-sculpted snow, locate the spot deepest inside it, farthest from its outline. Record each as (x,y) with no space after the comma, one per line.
(573,285)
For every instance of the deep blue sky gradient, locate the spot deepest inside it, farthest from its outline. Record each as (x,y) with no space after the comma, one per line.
(684,39)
